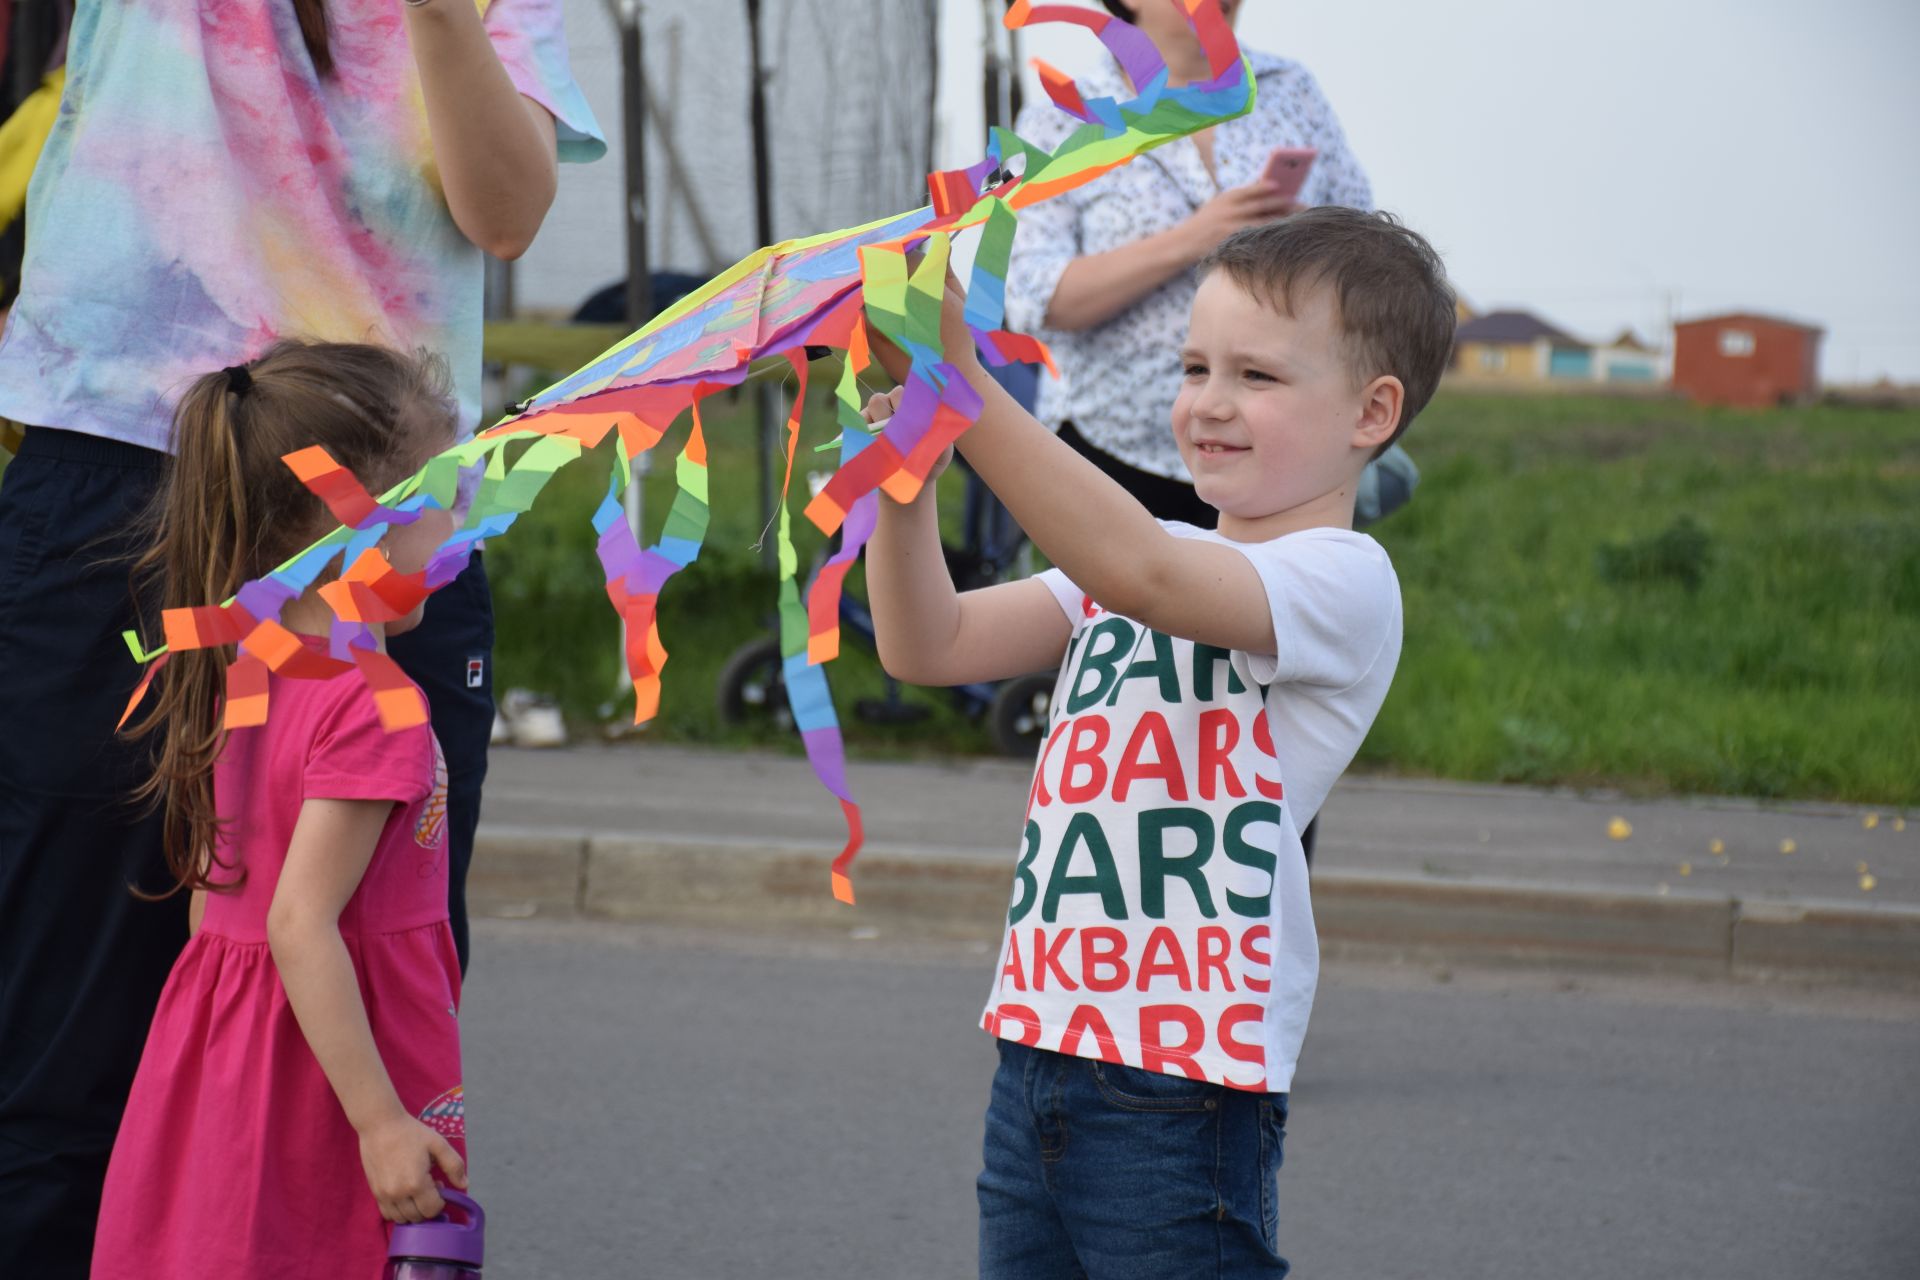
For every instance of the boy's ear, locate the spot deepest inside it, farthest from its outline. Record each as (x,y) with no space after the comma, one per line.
(1380,403)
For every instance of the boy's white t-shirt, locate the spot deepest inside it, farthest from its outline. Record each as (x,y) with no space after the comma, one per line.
(1160,914)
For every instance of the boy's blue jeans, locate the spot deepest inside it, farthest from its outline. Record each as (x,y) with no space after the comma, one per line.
(1111,1173)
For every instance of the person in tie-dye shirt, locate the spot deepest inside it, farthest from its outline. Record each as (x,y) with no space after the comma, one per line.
(222,173)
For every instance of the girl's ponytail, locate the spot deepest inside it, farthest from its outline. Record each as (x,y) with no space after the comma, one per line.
(313,29)
(198,552)
(229,509)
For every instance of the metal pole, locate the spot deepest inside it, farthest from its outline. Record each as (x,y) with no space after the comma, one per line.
(932,16)
(991,68)
(633,86)
(769,397)
(665,126)
(1016,87)
(633,72)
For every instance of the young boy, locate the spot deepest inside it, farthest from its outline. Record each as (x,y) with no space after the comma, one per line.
(1159,959)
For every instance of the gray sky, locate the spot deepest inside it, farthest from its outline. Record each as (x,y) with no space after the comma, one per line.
(1601,163)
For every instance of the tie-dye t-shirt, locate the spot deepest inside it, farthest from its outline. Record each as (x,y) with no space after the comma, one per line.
(204,192)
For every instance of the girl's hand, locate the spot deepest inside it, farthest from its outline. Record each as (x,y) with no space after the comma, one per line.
(884,406)
(399,1156)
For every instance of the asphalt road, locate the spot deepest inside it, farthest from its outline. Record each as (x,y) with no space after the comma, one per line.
(650,1102)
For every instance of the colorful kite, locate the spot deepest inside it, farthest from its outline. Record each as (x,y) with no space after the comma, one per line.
(826,291)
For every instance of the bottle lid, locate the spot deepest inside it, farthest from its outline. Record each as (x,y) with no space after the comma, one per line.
(442,1239)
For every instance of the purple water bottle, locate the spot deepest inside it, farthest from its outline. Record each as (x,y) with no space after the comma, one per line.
(440,1249)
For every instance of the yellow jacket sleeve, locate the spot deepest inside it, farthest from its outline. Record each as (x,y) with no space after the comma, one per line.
(21,138)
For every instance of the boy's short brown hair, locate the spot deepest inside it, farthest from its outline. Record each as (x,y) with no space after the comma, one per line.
(1396,309)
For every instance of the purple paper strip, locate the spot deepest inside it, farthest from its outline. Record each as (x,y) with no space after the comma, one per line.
(344,637)
(828,757)
(652,573)
(448,563)
(619,557)
(910,421)
(1132,50)
(264,598)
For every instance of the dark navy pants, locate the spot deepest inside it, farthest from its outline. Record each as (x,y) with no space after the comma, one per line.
(82,960)
(1095,1171)
(450,656)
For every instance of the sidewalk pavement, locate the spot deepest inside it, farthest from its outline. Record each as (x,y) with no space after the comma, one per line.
(1427,869)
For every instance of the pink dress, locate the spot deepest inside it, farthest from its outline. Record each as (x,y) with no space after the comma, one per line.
(235,1159)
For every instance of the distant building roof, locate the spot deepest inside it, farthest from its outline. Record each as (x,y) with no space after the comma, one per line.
(1630,341)
(1762,316)
(1513,326)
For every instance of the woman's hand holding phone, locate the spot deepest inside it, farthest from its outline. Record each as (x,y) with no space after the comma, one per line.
(1233,210)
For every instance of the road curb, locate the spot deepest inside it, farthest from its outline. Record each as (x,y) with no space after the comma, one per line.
(1516,919)
(1839,938)
(521,872)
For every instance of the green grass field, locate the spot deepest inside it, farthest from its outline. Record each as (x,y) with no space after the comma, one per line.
(1598,591)
(1662,597)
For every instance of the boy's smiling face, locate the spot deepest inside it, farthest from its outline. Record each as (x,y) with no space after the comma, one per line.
(1269,419)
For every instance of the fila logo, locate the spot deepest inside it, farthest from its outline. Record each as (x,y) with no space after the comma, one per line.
(476,672)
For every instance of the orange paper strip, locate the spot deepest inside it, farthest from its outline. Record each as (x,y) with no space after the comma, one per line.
(247,680)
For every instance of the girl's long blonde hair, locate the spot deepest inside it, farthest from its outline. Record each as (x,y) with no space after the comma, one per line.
(229,510)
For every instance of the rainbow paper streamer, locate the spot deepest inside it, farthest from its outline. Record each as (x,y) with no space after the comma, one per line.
(832,291)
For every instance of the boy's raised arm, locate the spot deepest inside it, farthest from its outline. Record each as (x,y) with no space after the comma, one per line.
(928,633)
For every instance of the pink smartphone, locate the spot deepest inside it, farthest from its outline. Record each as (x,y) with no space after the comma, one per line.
(1287,169)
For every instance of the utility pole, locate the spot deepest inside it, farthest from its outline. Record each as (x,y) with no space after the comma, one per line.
(768,395)
(993,69)
(633,90)
(1000,59)
(633,116)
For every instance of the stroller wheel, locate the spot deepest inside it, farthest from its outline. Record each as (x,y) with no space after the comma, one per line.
(752,690)
(1018,714)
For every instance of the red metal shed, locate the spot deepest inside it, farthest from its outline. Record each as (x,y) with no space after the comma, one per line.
(1746,359)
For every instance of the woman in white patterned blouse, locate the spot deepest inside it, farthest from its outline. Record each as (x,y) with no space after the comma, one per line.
(1104,272)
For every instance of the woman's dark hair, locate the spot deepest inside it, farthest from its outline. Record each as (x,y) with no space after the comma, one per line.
(313,29)
(229,510)
(1121,11)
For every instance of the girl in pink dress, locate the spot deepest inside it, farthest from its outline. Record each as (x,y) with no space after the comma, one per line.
(301,1081)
